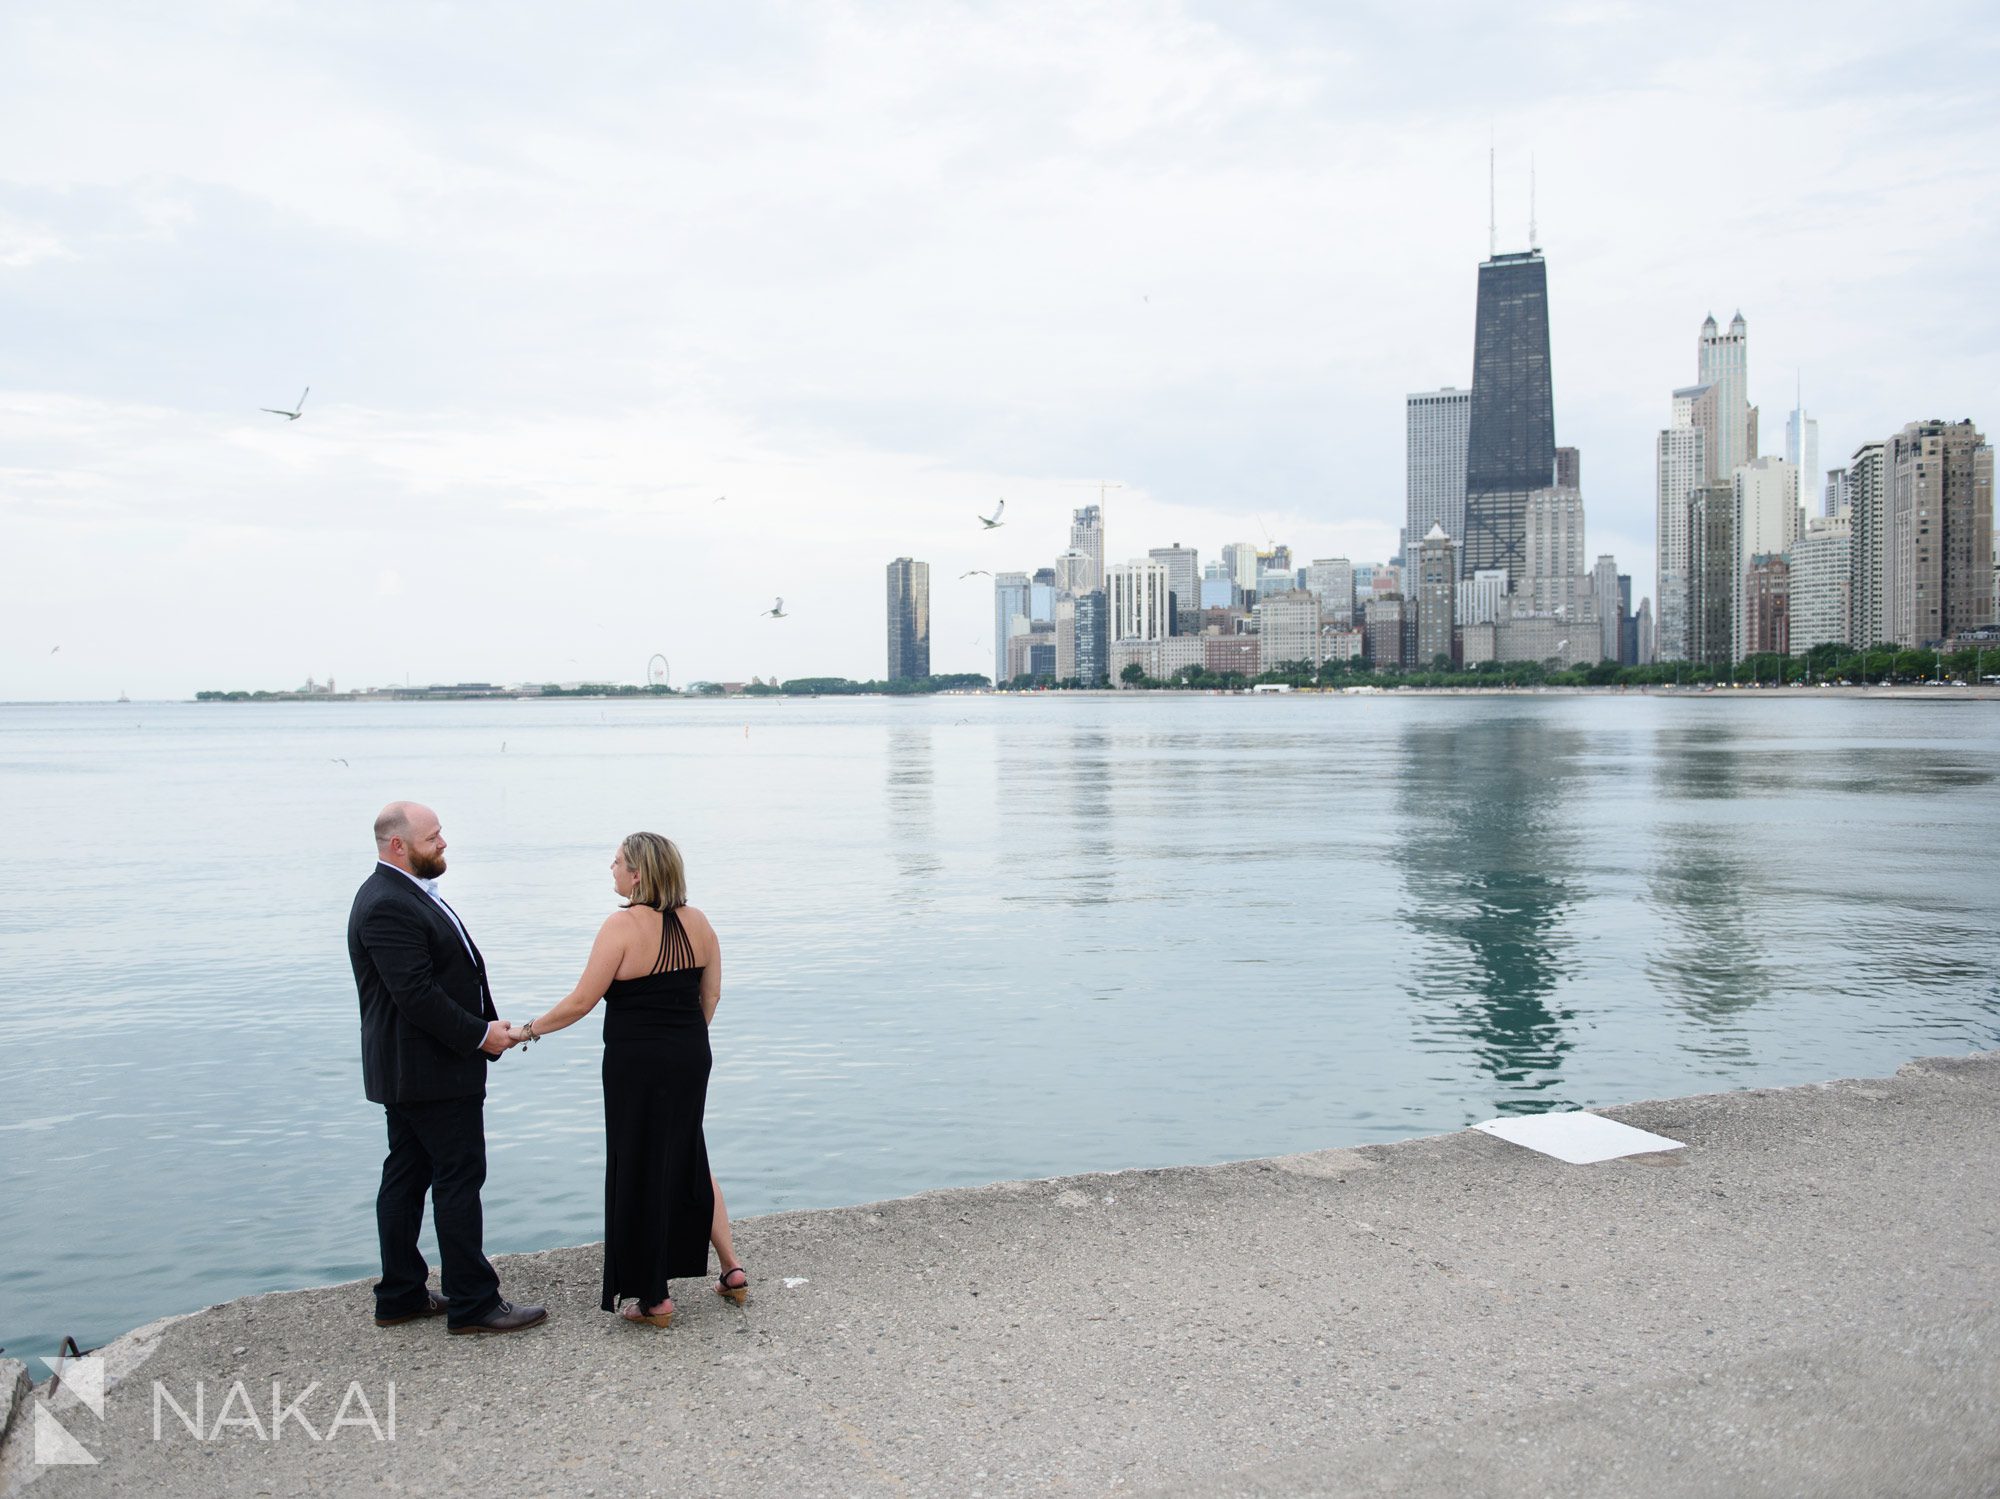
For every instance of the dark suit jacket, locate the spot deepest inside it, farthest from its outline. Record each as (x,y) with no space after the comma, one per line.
(425,1002)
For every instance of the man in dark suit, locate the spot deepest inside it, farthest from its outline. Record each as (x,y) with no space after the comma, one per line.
(428,1032)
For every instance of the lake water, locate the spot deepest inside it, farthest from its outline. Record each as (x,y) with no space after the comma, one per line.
(964,939)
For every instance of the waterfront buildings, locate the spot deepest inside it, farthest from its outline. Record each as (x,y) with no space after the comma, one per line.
(1230,653)
(1552,550)
(909,620)
(1183,583)
(1012,615)
(1437,596)
(1510,428)
(1644,641)
(1093,637)
(1712,575)
(1821,585)
(1766,522)
(1939,547)
(1288,629)
(1604,598)
(1680,466)
(1767,606)
(1868,514)
(1435,426)
(1138,596)
(1382,630)
(1482,597)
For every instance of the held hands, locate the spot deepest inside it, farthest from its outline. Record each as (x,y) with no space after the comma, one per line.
(502,1035)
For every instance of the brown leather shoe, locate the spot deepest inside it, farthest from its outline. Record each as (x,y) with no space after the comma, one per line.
(435,1307)
(506,1317)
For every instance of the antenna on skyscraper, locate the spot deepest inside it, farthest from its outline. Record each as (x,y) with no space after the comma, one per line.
(1531,200)
(1492,218)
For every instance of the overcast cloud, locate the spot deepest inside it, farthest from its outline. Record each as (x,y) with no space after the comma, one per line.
(559,276)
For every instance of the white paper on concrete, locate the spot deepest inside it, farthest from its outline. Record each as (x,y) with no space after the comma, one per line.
(1577,1137)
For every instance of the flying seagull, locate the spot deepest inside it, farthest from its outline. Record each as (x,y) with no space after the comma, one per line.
(993,522)
(338,761)
(296,412)
(718,499)
(977,572)
(776,611)
(53,649)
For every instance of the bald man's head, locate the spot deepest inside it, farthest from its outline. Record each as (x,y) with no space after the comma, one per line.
(408,836)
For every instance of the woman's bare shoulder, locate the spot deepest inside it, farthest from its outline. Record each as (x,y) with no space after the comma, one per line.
(695,919)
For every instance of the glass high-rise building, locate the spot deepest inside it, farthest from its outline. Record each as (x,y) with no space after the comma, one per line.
(1510,444)
(1093,644)
(1013,614)
(909,620)
(1434,431)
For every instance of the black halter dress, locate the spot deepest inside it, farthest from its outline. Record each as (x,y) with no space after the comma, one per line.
(657,1198)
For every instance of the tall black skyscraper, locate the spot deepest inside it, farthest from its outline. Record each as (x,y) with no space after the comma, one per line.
(909,620)
(1511,441)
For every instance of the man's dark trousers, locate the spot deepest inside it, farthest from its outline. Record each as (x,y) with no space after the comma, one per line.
(439,1147)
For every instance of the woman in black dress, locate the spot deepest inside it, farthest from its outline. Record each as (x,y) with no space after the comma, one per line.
(658,967)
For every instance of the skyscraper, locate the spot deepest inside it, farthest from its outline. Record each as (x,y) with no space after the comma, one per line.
(1725,364)
(1435,424)
(1766,523)
(1437,595)
(1569,469)
(1013,603)
(909,620)
(1093,648)
(1802,452)
(1713,576)
(1183,567)
(1551,576)
(1137,598)
(1086,535)
(1680,466)
(1821,585)
(1510,444)
(1604,596)
(1940,542)
(1868,514)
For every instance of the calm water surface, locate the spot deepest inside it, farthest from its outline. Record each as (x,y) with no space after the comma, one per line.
(964,940)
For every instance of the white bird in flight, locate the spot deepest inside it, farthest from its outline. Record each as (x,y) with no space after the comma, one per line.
(977,572)
(776,611)
(993,522)
(296,412)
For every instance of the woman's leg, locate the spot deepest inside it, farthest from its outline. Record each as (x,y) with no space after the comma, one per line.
(718,1231)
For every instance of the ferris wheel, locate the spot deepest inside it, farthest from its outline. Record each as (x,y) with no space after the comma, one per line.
(656,671)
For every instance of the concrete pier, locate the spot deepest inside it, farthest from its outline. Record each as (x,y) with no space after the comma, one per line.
(1802,1301)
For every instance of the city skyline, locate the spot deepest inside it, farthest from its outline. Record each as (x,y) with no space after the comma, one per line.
(559,367)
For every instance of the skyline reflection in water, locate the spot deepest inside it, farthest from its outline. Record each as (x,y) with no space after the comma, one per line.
(964,939)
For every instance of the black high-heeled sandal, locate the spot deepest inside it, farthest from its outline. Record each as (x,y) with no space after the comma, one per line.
(737,1294)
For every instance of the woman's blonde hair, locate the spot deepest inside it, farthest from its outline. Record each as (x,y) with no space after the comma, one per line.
(659,879)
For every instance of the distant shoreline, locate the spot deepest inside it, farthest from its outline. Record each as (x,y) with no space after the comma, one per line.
(1916,690)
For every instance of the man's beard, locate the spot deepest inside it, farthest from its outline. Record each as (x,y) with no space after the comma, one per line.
(426,866)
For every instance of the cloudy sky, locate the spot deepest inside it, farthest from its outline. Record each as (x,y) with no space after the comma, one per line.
(560,276)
